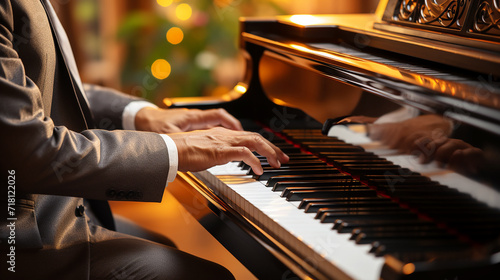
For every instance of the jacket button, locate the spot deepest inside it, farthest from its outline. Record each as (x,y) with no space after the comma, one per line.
(111,193)
(130,195)
(79,211)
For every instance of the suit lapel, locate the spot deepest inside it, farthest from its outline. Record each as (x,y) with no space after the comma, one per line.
(64,47)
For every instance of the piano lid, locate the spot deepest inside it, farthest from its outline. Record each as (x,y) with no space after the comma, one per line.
(452,82)
(456,76)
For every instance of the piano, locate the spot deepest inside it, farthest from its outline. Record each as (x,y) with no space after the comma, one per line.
(392,124)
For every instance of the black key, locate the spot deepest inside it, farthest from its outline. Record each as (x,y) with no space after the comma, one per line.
(299,195)
(284,145)
(411,186)
(266,164)
(291,150)
(302,131)
(379,171)
(393,183)
(346,225)
(332,217)
(279,186)
(394,229)
(313,171)
(317,141)
(288,190)
(359,154)
(298,168)
(305,166)
(293,156)
(359,210)
(412,257)
(311,138)
(394,178)
(373,164)
(417,192)
(350,162)
(335,148)
(314,207)
(365,238)
(381,248)
(291,177)
(305,202)
(434,202)
(351,168)
(414,200)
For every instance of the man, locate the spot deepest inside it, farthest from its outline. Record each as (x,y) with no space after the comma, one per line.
(59,169)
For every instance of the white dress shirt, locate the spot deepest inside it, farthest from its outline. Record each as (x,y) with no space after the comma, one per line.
(128,123)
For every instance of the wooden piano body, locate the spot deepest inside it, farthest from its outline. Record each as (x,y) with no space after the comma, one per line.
(409,60)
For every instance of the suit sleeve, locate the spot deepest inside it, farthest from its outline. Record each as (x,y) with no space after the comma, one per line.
(107,106)
(49,159)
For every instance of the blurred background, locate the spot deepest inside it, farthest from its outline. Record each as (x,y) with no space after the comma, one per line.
(172,48)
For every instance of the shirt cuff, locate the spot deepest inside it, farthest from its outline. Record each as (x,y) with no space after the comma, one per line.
(173,157)
(129,112)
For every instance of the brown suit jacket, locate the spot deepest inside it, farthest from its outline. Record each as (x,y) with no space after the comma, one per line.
(47,137)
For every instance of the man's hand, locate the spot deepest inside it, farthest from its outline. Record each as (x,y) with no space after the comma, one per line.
(199,150)
(182,120)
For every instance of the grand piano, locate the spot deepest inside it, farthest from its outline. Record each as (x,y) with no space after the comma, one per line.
(392,124)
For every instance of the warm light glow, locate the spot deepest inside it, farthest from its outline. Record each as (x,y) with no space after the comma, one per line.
(300,48)
(160,69)
(408,268)
(377,68)
(305,19)
(183,11)
(168,102)
(175,35)
(164,3)
(320,53)
(240,88)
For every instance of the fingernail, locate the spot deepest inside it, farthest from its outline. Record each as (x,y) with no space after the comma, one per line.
(279,163)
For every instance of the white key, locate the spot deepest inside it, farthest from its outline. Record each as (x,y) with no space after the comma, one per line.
(283,220)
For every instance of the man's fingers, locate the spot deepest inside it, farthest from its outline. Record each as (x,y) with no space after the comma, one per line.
(242,154)
(259,144)
(282,157)
(228,121)
(216,117)
(199,150)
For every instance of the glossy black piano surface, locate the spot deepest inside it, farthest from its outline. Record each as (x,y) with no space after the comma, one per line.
(392,124)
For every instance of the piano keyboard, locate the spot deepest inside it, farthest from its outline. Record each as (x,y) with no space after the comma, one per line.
(343,202)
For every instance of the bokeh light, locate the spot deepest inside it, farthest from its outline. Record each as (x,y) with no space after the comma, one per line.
(160,69)
(240,88)
(175,35)
(164,3)
(183,11)
(206,60)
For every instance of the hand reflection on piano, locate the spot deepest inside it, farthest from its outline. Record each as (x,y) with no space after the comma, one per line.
(427,136)
(454,153)
(403,135)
